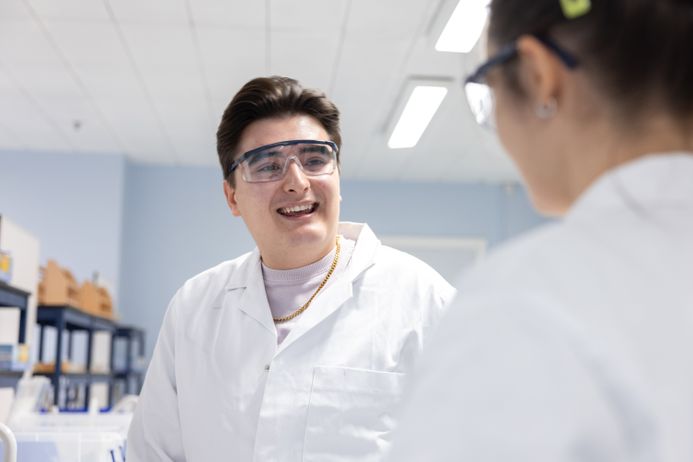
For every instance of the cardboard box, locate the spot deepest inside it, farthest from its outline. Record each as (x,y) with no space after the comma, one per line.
(95,300)
(57,286)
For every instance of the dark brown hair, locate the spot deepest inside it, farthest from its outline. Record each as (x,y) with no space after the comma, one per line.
(635,51)
(266,97)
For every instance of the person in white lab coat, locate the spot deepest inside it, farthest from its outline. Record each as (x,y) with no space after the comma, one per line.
(297,350)
(575,342)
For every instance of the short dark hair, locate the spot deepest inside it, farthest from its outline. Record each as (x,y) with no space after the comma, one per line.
(635,51)
(267,97)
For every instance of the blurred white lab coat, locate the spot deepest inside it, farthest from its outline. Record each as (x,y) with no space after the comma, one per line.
(219,388)
(574,343)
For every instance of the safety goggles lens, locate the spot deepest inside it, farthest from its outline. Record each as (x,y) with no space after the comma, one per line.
(270,163)
(481,103)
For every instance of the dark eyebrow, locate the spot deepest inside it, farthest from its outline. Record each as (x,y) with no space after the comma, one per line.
(263,155)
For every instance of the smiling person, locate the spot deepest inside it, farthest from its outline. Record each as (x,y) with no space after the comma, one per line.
(574,343)
(297,350)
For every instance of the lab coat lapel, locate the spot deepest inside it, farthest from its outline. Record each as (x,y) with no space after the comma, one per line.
(253,300)
(324,305)
(341,290)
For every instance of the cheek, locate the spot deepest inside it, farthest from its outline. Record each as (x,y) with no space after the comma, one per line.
(513,131)
(255,203)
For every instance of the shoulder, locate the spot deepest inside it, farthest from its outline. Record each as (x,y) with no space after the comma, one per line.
(407,285)
(551,251)
(395,264)
(210,284)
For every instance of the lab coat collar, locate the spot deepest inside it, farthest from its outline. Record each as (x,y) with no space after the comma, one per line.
(656,180)
(253,301)
(340,290)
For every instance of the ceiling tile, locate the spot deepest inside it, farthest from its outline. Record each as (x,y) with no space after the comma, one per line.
(236,14)
(150,11)
(230,58)
(73,10)
(307,15)
(30,124)
(22,41)
(13,10)
(304,56)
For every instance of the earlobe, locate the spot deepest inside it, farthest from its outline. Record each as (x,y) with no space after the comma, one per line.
(230,193)
(541,72)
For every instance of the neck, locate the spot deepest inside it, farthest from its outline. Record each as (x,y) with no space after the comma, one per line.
(291,257)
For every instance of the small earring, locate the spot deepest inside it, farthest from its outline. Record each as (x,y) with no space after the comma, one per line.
(546,110)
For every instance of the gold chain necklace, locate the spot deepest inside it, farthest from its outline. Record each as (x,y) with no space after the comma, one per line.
(305,306)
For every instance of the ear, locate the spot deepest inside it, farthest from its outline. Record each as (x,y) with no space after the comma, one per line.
(230,193)
(541,71)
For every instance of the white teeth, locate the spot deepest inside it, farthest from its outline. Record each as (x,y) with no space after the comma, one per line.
(297,209)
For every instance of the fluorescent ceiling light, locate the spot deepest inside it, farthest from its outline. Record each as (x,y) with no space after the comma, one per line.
(464,27)
(417,114)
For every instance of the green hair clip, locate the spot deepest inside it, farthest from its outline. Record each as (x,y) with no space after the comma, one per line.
(575,8)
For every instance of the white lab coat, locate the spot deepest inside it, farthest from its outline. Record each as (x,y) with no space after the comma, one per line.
(574,343)
(219,388)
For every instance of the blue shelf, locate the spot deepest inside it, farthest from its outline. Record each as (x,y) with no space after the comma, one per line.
(70,319)
(81,377)
(131,376)
(10,378)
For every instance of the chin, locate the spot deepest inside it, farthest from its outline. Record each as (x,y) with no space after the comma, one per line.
(307,236)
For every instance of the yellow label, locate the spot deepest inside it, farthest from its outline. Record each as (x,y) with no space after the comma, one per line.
(575,8)
(5,261)
(23,353)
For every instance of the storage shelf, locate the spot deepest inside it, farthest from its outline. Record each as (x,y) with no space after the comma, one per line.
(81,377)
(72,318)
(131,376)
(13,297)
(68,318)
(10,378)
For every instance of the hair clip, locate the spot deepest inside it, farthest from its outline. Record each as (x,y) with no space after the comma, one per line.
(575,8)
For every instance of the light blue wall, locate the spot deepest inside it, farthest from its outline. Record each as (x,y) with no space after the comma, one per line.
(72,203)
(176,225)
(491,212)
(149,228)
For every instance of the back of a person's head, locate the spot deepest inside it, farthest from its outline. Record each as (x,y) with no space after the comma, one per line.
(636,53)
(271,97)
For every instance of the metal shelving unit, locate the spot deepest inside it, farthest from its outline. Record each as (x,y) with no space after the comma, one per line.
(69,319)
(131,375)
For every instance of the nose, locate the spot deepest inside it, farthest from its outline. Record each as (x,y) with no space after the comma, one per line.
(295,180)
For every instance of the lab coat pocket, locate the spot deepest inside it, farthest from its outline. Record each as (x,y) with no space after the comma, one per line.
(350,414)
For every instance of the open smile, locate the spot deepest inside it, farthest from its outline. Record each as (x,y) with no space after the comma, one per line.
(298,210)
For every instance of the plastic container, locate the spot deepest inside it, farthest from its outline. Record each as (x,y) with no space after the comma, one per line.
(71,437)
(70,447)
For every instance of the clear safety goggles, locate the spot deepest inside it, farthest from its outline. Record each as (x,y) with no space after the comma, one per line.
(270,162)
(480,96)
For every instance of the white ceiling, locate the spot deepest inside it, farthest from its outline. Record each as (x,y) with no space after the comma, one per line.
(151,78)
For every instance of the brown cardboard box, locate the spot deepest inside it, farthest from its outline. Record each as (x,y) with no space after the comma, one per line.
(57,286)
(95,300)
